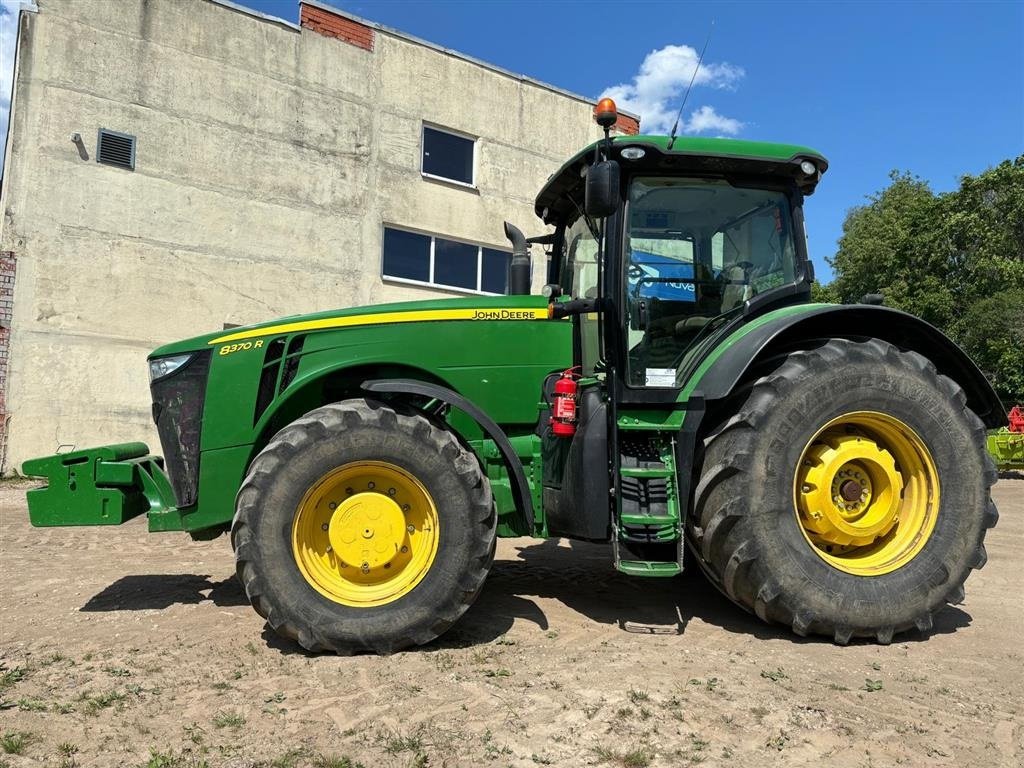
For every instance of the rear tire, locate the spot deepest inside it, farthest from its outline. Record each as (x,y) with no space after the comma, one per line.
(749,533)
(405,592)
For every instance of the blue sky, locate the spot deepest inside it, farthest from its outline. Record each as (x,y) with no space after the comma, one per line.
(933,88)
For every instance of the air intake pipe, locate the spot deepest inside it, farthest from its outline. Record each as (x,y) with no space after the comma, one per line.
(519,269)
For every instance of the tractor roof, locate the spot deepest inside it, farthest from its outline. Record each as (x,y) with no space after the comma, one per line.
(688,154)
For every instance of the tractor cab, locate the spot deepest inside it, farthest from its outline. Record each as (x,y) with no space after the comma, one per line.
(674,242)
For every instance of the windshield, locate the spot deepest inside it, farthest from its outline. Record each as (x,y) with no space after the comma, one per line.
(696,249)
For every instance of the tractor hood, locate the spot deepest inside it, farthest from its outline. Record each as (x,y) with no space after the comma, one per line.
(467,308)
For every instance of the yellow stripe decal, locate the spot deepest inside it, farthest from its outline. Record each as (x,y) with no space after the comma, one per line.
(380,318)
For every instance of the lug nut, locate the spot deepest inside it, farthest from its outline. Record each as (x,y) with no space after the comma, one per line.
(324,527)
(371,485)
(365,568)
(806,488)
(404,550)
(411,528)
(405,507)
(349,491)
(391,491)
(333,505)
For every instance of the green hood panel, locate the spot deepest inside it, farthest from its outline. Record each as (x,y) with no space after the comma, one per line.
(463,308)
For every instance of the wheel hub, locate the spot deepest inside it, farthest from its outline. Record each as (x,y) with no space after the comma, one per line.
(367,529)
(866,493)
(365,534)
(850,489)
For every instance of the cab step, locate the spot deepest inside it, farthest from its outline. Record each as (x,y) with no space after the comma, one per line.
(657,520)
(646,472)
(649,568)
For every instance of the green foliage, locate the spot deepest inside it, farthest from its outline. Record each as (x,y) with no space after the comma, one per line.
(955,259)
(992,330)
(15,742)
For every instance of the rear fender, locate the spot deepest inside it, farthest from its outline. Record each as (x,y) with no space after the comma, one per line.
(857,321)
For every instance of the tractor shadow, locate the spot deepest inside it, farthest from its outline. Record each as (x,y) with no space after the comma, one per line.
(161,591)
(580,576)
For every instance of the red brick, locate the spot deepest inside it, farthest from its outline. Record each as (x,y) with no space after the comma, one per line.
(332,25)
(627,125)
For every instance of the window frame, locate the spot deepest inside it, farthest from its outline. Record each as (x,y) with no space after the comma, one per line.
(474,140)
(478,291)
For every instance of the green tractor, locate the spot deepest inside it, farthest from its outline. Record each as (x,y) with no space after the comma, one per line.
(674,393)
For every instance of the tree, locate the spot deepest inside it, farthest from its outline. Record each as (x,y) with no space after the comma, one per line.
(992,331)
(955,259)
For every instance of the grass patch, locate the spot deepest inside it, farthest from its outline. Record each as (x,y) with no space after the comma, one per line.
(172,760)
(290,759)
(67,749)
(871,685)
(778,743)
(395,742)
(10,677)
(641,757)
(333,761)
(228,719)
(106,700)
(15,742)
(775,675)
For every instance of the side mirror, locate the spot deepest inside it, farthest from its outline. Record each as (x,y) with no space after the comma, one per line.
(602,195)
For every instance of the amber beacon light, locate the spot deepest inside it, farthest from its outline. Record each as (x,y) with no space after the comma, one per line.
(605,113)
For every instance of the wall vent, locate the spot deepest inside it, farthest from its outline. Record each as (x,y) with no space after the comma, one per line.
(113,148)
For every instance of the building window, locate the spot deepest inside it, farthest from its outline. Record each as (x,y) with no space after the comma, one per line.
(411,257)
(448,155)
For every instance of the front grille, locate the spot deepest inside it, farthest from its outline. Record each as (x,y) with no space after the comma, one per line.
(178,412)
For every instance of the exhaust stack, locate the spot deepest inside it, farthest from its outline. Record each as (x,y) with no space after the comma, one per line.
(519,269)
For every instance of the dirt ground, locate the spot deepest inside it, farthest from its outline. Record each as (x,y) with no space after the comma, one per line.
(121,648)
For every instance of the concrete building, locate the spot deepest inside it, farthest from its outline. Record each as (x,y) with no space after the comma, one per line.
(173,167)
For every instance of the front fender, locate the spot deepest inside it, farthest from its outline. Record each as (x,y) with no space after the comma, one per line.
(718,376)
(520,486)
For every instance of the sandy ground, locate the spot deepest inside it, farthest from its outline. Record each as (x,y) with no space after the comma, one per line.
(121,648)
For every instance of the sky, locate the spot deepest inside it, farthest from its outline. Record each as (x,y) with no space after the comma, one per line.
(934,88)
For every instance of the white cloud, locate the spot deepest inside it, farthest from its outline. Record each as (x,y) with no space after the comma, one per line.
(656,91)
(707,119)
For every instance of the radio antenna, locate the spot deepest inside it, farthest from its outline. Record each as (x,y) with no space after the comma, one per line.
(672,137)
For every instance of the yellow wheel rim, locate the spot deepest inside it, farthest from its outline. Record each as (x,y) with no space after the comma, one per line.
(365,534)
(866,493)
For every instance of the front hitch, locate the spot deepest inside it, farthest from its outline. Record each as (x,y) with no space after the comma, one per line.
(98,486)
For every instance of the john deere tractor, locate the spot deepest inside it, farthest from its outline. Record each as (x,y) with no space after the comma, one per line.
(674,393)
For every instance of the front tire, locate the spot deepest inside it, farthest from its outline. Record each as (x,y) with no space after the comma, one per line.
(846,492)
(363,528)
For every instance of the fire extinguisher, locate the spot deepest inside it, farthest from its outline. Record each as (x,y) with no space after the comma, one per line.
(563,406)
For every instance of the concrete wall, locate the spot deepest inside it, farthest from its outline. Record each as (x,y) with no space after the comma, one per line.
(268,159)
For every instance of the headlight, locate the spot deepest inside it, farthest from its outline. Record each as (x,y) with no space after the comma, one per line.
(164,366)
